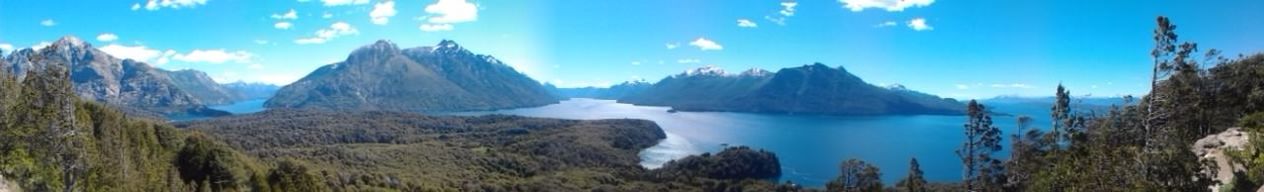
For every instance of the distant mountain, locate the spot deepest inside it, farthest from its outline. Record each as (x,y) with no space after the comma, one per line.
(1042,106)
(249,91)
(202,87)
(613,92)
(810,89)
(1097,101)
(99,76)
(445,77)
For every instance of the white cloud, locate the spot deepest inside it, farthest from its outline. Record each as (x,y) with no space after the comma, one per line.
(41,45)
(746,23)
(962,86)
(154,5)
(673,45)
(255,66)
(636,63)
(107,37)
(382,12)
(214,56)
(787,10)
(706,44)
(135,6)
(327,15)
(1012,85)
(444,13)
(138,53)
(919,24)
(452,11)
(5,48)
(261,41)
(886,24)
(330,3)
(888,5)
(48,23)
(687,61)
(291,15)
(435,27)
(337,29)
(156,57)
(283,25)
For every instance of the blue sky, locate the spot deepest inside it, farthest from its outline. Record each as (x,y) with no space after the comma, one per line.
(952,48)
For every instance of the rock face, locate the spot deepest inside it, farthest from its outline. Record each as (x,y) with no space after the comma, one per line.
(104,78)
(202,87)
(444,77)
(1213,148)
(810,89)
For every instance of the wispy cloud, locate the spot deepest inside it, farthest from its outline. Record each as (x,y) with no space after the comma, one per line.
(787,10)
(1012,85)
(154,5)
(888,5)
(290,15)
(746,23)
(886,24)
(337,29)
(672,45)
(330,3)
(214,56)
(48,23)
(688,61)
(107,37)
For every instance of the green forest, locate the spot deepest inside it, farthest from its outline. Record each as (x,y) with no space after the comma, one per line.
(50,140)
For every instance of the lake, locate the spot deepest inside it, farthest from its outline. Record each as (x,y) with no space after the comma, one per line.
(242,107)
(810,147)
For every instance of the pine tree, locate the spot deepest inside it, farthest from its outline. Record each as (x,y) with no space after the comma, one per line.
(914,182)
(981,172)
(856,176)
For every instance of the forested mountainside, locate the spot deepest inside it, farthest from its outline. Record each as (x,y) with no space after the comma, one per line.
(397,150)
(809,89)
(98,76)
(445,77)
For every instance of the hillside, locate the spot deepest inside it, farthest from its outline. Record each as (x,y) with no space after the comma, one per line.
(202,87)
(445,77)
(398,150)
(810,89)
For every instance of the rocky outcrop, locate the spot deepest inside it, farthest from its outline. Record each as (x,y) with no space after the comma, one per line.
(1213,148)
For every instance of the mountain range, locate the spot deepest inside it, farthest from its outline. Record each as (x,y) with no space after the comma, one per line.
(444,77)
(809,89)
(134,86)
(613,92)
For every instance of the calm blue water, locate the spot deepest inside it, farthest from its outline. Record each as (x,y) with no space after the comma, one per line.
(243,107)
(810,147)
